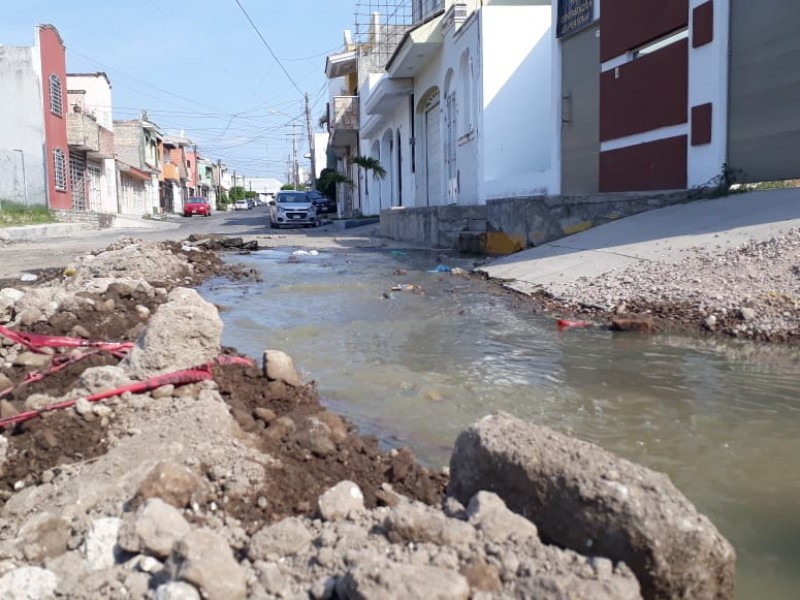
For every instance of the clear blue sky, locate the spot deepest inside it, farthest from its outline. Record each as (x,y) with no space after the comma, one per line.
(198,65)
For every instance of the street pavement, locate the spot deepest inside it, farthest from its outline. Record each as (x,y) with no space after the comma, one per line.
(662,235)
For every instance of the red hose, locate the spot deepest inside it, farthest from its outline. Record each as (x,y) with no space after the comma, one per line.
(564,324)
(35,342)
(191,375)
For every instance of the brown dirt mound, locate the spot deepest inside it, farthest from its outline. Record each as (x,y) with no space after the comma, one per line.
(298,475)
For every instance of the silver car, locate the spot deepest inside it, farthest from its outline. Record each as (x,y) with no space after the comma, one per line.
(292,208)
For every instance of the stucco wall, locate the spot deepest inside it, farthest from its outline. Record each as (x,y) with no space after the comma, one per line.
(53,61)
(518,107)
(97,98)
(22,127)
(708,82)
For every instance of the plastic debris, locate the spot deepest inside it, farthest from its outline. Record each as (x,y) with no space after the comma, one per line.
(28,277)
(397,253)
(441,269)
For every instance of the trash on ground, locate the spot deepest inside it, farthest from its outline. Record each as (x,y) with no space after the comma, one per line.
(28,277)
(458,271)
(400,272)
(305,253)
(397,253)
(404,287)
(441,269)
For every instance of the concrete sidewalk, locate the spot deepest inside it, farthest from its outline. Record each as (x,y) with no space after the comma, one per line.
(30,233)
(661,235)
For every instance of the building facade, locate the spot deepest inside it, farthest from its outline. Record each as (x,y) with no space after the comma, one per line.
(34,150)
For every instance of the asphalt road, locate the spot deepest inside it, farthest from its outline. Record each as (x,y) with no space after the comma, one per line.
(20,257)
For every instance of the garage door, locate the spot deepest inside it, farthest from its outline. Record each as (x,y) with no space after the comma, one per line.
(764,118)
(433,154)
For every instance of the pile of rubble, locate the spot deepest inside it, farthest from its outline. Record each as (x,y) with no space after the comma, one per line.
(750,292)
(241,485)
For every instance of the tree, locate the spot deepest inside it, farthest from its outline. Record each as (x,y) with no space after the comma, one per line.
(327,181)
(291,186)
(370,164)
(236,193)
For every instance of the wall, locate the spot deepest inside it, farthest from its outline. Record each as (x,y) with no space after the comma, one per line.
(518,108)
(97,97)
(456,227)
(22,127)
(708,83)
(53,61)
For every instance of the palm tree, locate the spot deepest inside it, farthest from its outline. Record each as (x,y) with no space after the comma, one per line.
(370,164)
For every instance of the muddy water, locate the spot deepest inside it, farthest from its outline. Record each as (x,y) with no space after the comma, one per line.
(414,369)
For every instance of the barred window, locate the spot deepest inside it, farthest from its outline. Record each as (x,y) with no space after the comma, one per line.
(60,169)
(56,97)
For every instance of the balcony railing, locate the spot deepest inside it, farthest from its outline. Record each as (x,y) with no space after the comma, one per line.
(345,113)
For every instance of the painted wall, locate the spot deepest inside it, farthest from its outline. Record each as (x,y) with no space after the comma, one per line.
(708,82)
(518,108)
(52,54)
(22,126)
(97,96)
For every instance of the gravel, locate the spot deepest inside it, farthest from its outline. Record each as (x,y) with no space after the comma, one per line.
(752,291)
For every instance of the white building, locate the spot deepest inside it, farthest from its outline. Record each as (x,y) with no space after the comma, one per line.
(90,130)
(464,112)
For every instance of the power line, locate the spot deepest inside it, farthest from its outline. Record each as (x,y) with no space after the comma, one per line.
(277,60)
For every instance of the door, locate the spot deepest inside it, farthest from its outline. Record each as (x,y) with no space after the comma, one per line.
(433,154)
(580,112)
(95,202)
(77,173)
(764,96)
(450,148)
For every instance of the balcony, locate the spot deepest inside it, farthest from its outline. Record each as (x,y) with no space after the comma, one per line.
(343,122)
(170,171)
(83,133)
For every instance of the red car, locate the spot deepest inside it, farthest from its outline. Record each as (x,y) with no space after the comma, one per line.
(196,206)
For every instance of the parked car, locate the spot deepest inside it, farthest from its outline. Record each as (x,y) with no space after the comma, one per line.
(324,204)
(196,206)
(240,205)
(292,208)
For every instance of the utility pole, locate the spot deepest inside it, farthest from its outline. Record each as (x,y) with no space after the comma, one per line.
(311,145)
(295,174)
(24,174)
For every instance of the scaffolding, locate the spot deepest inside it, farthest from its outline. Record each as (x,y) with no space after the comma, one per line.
(379,28)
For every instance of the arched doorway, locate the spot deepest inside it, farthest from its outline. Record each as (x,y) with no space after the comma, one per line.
(430,115)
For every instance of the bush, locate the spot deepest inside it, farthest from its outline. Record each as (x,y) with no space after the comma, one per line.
(14,213)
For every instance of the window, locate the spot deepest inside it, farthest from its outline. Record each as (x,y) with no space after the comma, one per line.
(56,97)
(60,170)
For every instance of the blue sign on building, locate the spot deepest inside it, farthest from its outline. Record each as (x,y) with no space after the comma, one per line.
(573,15)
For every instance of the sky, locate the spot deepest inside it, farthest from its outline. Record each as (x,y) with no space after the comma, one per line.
(199,66)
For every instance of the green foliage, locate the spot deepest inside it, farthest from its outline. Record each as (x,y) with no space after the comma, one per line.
(237,193)
(250,194)
(14,214)
(222,200)
(291,186)
(370,164)
(327,180)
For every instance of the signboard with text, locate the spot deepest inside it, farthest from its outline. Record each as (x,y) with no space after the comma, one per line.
(573,15)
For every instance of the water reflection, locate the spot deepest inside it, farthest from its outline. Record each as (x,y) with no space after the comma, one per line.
(414,369)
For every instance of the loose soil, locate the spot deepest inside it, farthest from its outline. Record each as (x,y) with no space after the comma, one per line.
(295,476)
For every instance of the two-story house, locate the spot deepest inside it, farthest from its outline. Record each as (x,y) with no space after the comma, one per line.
(34,151)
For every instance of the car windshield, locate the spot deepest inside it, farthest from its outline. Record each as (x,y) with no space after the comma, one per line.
(197,200)
(284,198)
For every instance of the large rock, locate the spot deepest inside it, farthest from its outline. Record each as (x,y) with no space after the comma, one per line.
(341,500)
(584,498)
(279,366)
(388,580)
(155,529)
(28,583)
(100,547)
(172,483)
(417,523)
(286,537)
(204,559)
(184,332)
(44,535)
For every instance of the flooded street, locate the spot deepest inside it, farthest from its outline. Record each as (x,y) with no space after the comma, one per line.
(416,368)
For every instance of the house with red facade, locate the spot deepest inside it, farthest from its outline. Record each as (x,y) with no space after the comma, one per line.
(34,148)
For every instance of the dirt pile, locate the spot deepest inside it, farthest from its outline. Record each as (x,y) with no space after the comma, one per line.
(222,478)
(750,292)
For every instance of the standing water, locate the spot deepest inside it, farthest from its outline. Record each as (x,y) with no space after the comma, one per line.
(416,368)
